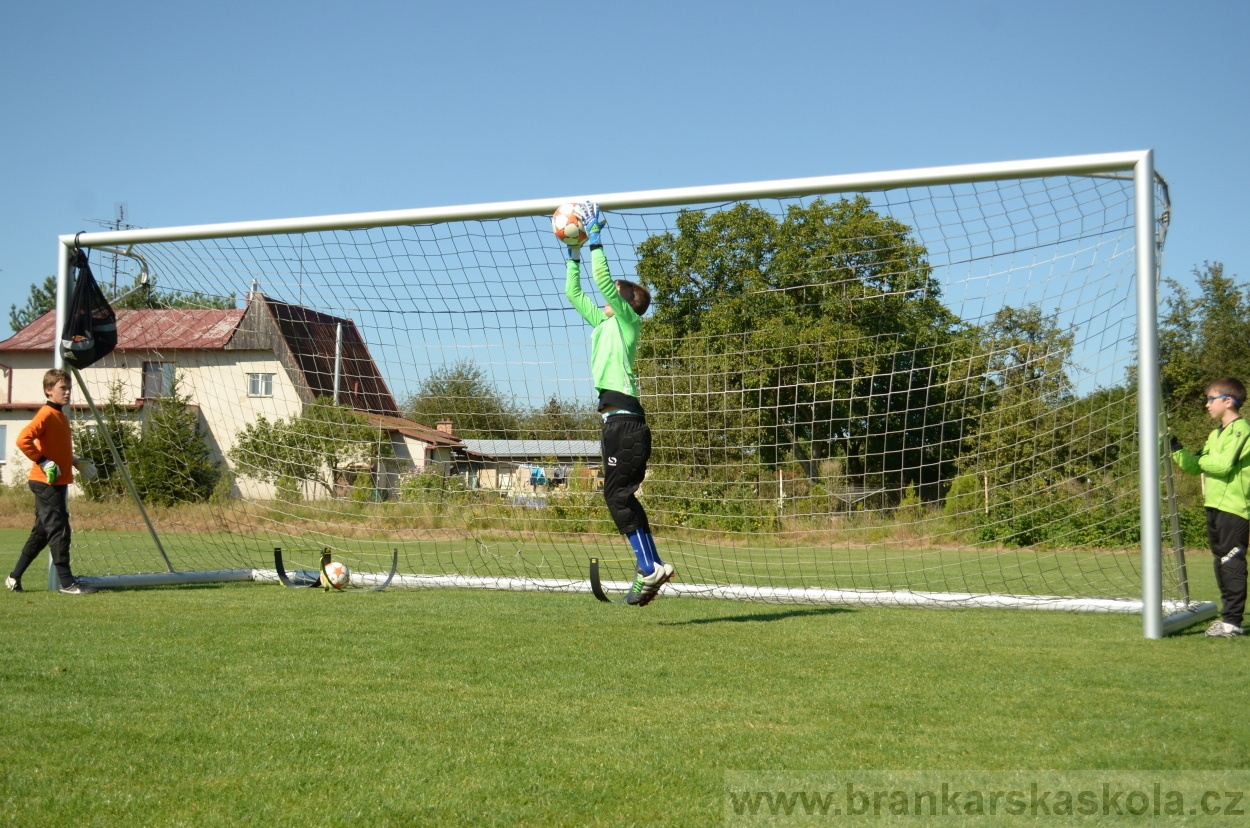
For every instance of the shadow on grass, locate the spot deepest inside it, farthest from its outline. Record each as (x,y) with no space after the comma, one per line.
(161,588)
(760,616)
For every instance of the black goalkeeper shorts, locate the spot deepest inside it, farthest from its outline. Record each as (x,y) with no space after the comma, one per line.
(626,447)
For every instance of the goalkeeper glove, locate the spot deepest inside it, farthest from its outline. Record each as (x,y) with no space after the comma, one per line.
(593,220)
(1175,444)
(51,470)
(573,252)
(86,468)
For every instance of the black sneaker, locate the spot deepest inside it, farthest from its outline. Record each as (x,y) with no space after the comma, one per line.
(78,588)
(13,584)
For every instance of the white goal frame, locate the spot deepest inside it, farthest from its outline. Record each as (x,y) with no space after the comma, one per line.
(1139,165)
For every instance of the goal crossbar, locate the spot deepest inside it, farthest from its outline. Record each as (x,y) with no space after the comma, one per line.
(864,182)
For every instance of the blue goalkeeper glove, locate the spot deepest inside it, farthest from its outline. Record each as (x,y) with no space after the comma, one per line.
(593,220)
(573,252)
(51,470)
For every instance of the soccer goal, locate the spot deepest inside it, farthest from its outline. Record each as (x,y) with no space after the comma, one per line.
(931,387)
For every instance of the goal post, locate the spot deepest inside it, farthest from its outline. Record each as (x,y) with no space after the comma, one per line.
(928,387)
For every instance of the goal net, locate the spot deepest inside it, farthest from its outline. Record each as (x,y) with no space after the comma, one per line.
(891,389)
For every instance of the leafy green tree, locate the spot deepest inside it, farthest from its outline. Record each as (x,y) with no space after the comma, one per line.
(1025,432)
(819,334)
(171,461)
(1202,337)
(462,393)
(1060,468)
(166,454)
(90,443)
(311,447)
(41,300)
(561,420)
(139,296)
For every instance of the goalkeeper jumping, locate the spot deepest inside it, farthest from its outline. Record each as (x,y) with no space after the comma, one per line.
(626,441)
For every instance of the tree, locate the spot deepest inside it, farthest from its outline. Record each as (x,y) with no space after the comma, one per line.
(90,443)
(1024,432)
(561,420)
(820,334)
(1201,338)
(462,393)
(171,461)
(167,455)
(139,296)
(1057,467)
(310,448)
(41,300)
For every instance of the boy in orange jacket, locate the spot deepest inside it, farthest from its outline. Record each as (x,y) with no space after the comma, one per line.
(48,443)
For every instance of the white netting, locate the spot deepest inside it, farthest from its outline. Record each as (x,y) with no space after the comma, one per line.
(914,391)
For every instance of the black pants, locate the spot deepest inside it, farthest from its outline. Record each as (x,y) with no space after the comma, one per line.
(1229,535)
(51,530)
(626,447)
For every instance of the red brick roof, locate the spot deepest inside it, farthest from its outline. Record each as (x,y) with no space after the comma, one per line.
(308,337)
(137,330)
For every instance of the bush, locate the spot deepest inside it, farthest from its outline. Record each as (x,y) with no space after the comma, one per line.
(90,443)
(965,502)
(166,455)
(171,463)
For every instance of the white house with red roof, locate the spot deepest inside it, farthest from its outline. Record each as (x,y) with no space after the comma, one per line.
(268,359)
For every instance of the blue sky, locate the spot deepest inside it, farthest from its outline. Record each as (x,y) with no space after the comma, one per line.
(211,112)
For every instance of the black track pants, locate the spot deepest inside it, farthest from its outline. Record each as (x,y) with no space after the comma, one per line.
(626,447)
(51,530)
(1229,535)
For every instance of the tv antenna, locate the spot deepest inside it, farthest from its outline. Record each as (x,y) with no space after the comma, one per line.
(118,222)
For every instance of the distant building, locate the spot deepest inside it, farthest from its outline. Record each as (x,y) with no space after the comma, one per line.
(510,465)
(269,359)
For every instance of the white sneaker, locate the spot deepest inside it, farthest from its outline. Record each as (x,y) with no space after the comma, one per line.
(78,588)
(648,586)
(13,584)
(1222,629)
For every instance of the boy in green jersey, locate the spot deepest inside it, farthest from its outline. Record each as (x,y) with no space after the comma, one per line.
(1226,463)
(626,438)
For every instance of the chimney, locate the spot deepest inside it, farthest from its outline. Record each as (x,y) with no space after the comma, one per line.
(444,425)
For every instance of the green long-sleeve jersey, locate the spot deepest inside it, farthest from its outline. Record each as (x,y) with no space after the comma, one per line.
(614,343)
(1225,460)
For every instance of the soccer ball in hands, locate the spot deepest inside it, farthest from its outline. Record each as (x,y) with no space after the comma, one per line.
(337,574)
(567,225)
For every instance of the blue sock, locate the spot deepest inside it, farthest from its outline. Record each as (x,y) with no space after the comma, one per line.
(644,550)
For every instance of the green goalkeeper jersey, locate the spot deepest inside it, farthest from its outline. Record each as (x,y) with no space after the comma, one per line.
(614,343)
(1225,460)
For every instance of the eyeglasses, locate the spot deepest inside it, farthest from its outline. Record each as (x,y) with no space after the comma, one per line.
(1218,397)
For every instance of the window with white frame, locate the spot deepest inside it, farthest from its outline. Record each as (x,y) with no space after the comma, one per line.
(158,379)
(260,385)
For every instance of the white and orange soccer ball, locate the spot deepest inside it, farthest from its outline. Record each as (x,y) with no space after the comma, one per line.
(567,225)
(337,574)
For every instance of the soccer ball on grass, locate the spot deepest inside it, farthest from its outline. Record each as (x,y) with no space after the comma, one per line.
(337,574)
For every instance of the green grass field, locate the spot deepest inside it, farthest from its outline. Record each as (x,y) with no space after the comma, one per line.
(256,704)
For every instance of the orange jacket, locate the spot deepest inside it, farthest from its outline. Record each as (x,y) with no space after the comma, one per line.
(47,436)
